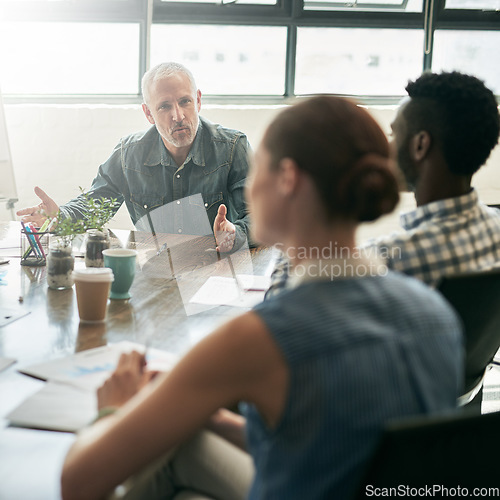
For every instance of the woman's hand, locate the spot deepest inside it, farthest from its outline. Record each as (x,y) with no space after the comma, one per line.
(128,378)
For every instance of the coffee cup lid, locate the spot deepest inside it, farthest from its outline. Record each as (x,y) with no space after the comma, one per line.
(93,274)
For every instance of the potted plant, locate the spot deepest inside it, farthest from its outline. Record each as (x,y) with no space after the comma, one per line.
(60,262)
(99,212)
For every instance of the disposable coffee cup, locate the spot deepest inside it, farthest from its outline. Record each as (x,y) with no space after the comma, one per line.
(92,289)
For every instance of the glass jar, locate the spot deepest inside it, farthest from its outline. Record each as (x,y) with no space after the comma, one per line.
(60,263)
(96,242)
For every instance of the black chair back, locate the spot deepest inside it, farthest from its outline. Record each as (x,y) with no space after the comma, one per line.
(476,298)
(457,451)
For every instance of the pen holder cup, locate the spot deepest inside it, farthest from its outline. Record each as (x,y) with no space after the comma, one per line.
(34,248)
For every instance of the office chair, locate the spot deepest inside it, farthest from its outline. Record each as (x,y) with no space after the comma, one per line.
(452,451)
(476,298)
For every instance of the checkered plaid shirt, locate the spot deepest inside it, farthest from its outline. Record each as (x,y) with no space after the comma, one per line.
(442,238)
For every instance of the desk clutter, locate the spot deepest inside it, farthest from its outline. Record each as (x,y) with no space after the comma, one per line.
(217,285)
(204,277)
(242,290)
(43,247)
(34,244)
(67,401)
(6,362)
(51,362)
(9,314)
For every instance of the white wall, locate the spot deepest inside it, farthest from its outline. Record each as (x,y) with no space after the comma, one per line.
(59,147)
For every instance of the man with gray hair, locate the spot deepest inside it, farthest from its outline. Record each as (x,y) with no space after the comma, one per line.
(181,157)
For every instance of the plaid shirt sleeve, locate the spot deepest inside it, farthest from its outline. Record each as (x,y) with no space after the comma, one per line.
(279,277)
(444,238)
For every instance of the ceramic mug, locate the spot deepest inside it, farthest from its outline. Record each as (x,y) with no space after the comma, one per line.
(122,262)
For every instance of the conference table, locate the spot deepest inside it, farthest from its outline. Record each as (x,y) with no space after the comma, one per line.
(39,324)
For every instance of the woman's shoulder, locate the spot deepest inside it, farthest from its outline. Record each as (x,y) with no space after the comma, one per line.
(391,295)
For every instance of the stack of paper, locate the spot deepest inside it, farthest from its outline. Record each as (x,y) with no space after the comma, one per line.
(6,362)
(245,290)
(68,402)
(58,407)
(9,314)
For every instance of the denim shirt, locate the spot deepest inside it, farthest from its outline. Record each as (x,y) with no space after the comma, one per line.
(141,173)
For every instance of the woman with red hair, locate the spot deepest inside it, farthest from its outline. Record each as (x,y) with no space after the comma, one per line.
(318,369)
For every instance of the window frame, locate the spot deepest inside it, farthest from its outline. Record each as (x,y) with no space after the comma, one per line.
(286,13)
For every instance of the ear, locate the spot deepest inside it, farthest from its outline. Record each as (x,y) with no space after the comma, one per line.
(198,100)
(288,176)
(420,145)
(148,114)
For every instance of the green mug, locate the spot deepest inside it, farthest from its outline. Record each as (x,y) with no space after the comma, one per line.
(122,262)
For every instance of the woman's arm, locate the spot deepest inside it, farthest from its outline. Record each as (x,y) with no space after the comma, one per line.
(240,361)
(228,425)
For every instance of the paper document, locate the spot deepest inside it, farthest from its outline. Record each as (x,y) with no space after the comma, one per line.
(68,401)
(89,369)
(250,282)
(220,291)
(57,407)
(6,362)
(9,314)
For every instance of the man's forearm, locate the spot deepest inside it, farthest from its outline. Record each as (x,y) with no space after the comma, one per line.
(74,209)
(242,235)
(101,188)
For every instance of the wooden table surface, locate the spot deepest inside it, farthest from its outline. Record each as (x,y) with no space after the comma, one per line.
(158,313)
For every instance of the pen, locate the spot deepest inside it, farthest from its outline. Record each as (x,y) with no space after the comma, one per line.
(32,243)
(161,249)
(51,224)
(30,249)
(153,232)
(238,284)
(45,225)
(145,355)
(34,239)
(34,231)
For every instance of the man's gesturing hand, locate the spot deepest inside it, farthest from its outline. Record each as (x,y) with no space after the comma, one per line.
(224,231)
(39,213)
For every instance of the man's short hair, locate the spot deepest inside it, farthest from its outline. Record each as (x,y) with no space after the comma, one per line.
(164,70)
(461,115)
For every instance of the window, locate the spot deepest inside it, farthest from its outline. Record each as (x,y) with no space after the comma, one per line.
(472,52)
(228,60)
(359,61)
(69,58)
(240,2)
(365,5)
(244,49)
(473,4)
